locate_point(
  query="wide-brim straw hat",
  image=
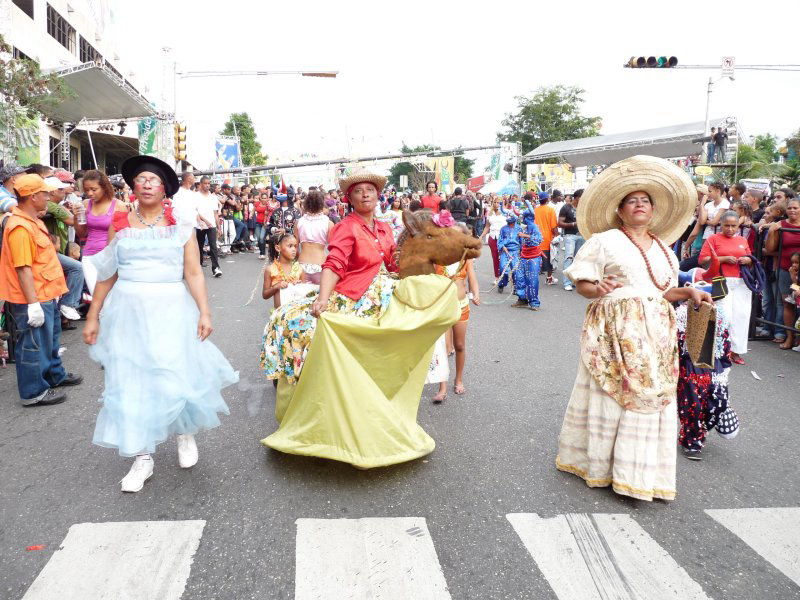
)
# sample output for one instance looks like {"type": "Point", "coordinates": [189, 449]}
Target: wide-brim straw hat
{"type": "Point", "coordinates": [362, 175]}
{"type": "Point", "coordinates": [670, 188]}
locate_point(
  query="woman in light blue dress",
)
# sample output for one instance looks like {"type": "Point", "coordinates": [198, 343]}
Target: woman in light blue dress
{"type": "Point", "coordinates": [148, 326]}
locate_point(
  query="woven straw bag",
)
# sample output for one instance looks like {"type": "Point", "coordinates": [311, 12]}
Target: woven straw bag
{"type": "Point", "coordinates": [701, 329]}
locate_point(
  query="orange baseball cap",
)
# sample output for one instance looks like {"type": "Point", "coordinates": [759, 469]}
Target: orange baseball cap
{"type": "Point", "coordinates": [28, 185]}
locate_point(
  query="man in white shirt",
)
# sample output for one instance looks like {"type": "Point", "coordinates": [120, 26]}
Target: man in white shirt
{"type": "Point", "coordinates": [185, 199]}
{"type": "Point", "coordinates": [713, 210]}
{"type": "Point", "coordinates": [207, 209]}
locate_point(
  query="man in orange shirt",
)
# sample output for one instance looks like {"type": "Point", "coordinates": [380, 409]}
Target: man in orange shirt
{"type": "Point", "coordinates": [547, 222]}
{"type": "Point", "coordinates": [31, 281]}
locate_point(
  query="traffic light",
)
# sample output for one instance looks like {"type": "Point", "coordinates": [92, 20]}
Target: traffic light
{"type": "Point", "coordinates": [180, 141]}
{"type": "Point", "coordinates": [652, 62]}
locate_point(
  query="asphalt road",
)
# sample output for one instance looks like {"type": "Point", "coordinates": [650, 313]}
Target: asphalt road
{"type": "Point", "coordinates": [495, 451]}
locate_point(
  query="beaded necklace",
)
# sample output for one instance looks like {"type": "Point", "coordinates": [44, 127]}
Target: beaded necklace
{"type": "Point", "coordinates": [663, 287]}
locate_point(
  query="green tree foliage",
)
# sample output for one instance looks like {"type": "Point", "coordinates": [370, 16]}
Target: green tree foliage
{"type": "Point", "coordinates": [25, 94]}
{"type": "Point", "coordinates": [767, 144]}
{"type": "Point", "coordinates": [552, 114]}
{"type": "Point", "coordinates": [751, 163]}
{"type": "Point", "coordinates": [790, 174]}
{"type": "Point", "coordinates": [248, 143]}
{"type": "Point", "coordinates": [23, 85]}
{"type": "Point", "coordinates": [416, 179]}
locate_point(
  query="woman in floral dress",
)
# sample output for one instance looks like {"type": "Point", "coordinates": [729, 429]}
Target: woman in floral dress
{"type": "Point", "coordinates": [621, 423]}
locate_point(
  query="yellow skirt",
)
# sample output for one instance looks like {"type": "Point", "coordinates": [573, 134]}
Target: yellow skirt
{"type": "Point", "coordinates": [358, 398]}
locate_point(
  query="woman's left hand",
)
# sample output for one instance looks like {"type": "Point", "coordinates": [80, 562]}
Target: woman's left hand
{"type": "Point", "coordinates": [476, 299]}
{"type": "Point", "coordinates": [204, 328]}
{"type": "Point", "coordinates": [745, 260]}
{"type": "Point", "coordinates": [698, 296]}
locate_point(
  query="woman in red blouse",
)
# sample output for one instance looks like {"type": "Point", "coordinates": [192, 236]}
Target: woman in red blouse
{"type": "Point", "coordinates": [732, 250]}
{"type": "Point", "coordinates": [355, 280]}
{"type": "Point", "coordinates": [358, 247]}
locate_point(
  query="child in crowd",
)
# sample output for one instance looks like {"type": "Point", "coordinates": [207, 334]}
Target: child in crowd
{"type": "Point", "coordinates": [284, 271]}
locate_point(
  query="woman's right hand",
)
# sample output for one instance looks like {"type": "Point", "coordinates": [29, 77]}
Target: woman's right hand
{"type": "Point", "coordinates": [319, 307]}
{"type": "Point", "coordinates": [606, 286]}
{"type": "Point", "coordinates": [90, 330]}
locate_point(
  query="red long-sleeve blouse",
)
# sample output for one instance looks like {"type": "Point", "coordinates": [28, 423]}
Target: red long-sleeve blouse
{"type": "Point", "coordinates": [355, 253]}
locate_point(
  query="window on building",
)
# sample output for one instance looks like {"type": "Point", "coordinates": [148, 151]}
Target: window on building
{"type": "Point", "coordinates": [25, 6]}
{"type": "Point", "coordinates": [87, 52]}
{"type": "Point", "coordinates": [55, 152]}
{"type": "Point", "coordinates": [20, 55]}
{"type": "Point", "coordinates": [59, 29]}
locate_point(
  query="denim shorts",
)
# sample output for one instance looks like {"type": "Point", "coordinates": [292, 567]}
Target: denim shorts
{"type": "Point", "coordinates": [784, 282]}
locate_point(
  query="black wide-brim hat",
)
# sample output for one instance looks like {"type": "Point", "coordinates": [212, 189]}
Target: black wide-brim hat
{"type": "Point", "coordinates": [137, 164]}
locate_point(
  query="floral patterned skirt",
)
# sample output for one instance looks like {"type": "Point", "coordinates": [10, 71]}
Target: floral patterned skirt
{"type": "Point", "coordinates": [290, 329]}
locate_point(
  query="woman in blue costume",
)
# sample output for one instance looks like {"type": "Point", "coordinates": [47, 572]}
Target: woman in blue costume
{"type": "Point", "coordinates": [508, 250]}
{"type": "Point", "coordinates": [149, 329]}
{"type": "Point", "coordinates": [526, 277]}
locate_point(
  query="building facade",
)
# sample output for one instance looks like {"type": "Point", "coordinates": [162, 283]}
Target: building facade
{"type": "Point", "coordinates": [58, 34]}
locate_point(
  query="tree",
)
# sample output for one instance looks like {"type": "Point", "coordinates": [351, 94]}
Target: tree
{"type": "Point", "coordinates": [767, 144]}
{"type": "Point", "coordinates": [552, 114]}
{"type": "Point", "coordinates": [249, 146]}
{"type": "Point", "coordinates": [790, 174]}
{"type": "Point", "coordinates": [25, 93]}
{"type": "Point", "coordinates": [751, 163]}
{"type": "Point", "coordinates": [417, 179]}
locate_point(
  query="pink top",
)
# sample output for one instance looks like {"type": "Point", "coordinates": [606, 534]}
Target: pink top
{"type": "Point", "coordinates": [97, 238]}
{"type": "Point", "coordinates": [313, 228]}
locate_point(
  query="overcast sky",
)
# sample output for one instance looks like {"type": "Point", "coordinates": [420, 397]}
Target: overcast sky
{"type": "Point", "coordinates": [447, 72]}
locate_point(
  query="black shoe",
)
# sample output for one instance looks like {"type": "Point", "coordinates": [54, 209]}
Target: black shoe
{"type": "Point", "coordinates": [51, 396]}
{"type": "Point", "coordinates": [67, 325]}
{"type": "Point", "coordinates": [71, 379]}
{"type": "Point", "coordinates": [520, 304]}
{"type": "Point", "coordinates": [692, 454]}
{"type": "Point", "coordinates": [500, 289]}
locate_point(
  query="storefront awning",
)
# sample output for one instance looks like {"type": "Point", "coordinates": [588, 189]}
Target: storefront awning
{"type": "Point", "coordinates": [99, 94]}
{"type": "Point", "coordinates": [665, 142]}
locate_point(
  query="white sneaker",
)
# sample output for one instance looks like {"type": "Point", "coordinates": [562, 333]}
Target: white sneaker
{"type": "Point", "coordinates": [261, 257]}
{"type": "Point", "coordinates": [567, 288]}
{"type": "Point", "coordinates": [141, 471]}
{"type": "Point", "coordinates": [70, 313]}
{"type": "Point", "coordinates": [187, 451]}
{"type": "Point", "coordinates": [217, 272]}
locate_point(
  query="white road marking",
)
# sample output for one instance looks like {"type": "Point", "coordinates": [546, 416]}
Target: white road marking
{"type": "Point", "coordinates": [360, 559]}
{"type": "Point", "coordinates": [602, 557]}
{"type": "Point", "coordinates": [772, 532]}
{"type": "Point", "coordinates": [120, 561]}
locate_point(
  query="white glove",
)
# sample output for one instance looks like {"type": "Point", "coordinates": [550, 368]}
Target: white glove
{"type": "Point", "coordinates": [35, 315]}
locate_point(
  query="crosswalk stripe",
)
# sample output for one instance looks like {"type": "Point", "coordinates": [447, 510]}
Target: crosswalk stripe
{"type": "Point", "coordinates": [120, 561]}
{"type": "Point", "coordinates": [774, 533]}
{"type": "Point", "coordinates": [602, 557]}
{"type": "Point", "coordinates": [371, 558]}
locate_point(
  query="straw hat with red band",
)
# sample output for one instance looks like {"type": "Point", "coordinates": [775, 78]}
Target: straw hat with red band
{"type": "Point", "coordinates": [362, 175]}
{"type": "Point", "coordinates": [670, 188]}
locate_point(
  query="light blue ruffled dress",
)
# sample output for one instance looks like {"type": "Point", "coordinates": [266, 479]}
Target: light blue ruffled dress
{"type": "Point", "coordinates": [160, 379]}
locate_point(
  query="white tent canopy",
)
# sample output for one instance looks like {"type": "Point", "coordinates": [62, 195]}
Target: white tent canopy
{"type": "Point", "coordinates": [99, 94]}
{"type": "Point", "coordinates": [664, 142]}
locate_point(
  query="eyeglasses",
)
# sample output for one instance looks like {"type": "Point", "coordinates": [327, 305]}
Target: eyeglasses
{"type": "Point", "coordinates": [153, 181]}
{"type": "Point", "coordinates": [637, 201]}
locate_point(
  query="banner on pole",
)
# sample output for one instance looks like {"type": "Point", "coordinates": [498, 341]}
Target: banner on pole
{"type": "Point", "coordinates": [226, 151]}
{"type": "Point", "coordinates": [148, 136]}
